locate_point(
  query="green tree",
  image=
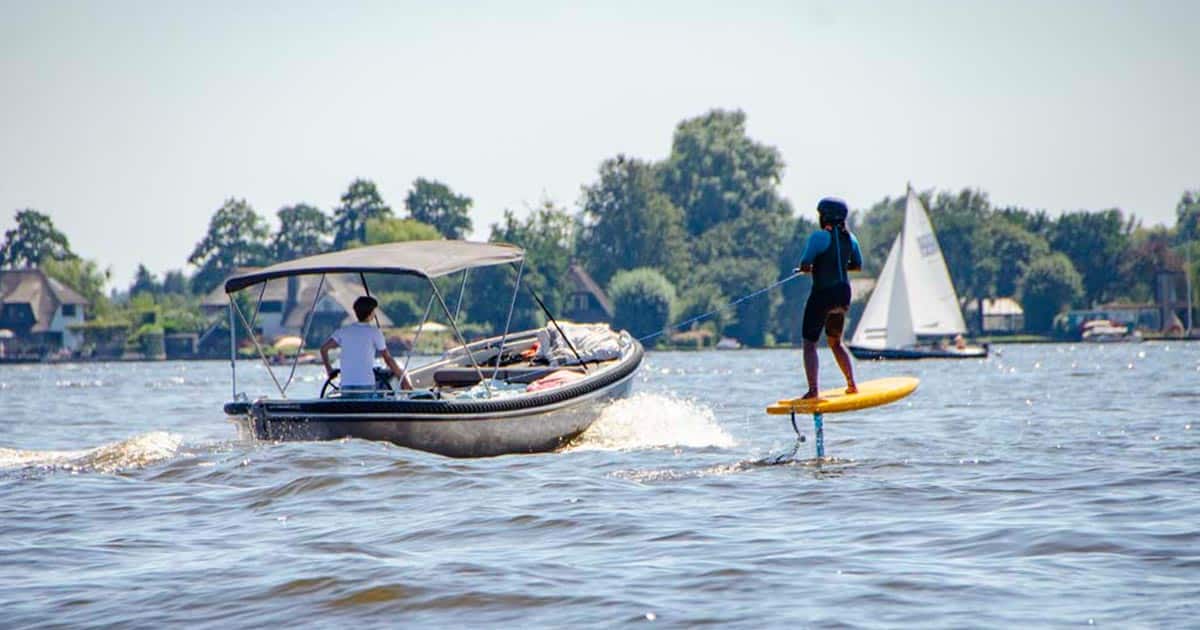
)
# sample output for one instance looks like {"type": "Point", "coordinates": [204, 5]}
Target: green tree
{"type": "Point", "coordinates": [876, 230]}
{"type": "Point", "coordinates": [1095, 242]}
{"type": "Point", "coordinates": [360, 203]}
{"type": "Point", "coordinates": [303, 231]}
{"type": "Point", "coordinates": [33, 241]}
{"type": "Point", "coordinates": [628, 222]}
{"type": "Point", "coordinates": [175, 283]}
{"type": "Point", "coordinates": [789, 318]}
{"type": "Point", "coordinates": [1009, 248]}
{"type": "Point", "coordinates": [737, 277]}
{"type": "Point", "coordinates": [547, 236]}
{"type": "Point", "coordinates": [392, 230]}
{"type": "Point", "coordinates": [86, 277]}
{"type": "Point", "coordinates": [642, 300]}
{"type": "Point", "coordinates": [1050, 285]}
{"type": "Point", "coordinates": [236, 237]}
{"type": "Point", "coordinates": [433, 202]}
{"type": "Point", "coordinates": [1187, 216]}
{"type": "Point", "coordinates": [958, 221]}
{"type": "Point", "coordinates": [715, 172]}
{"type": "Point", "coordinates": [144, 282]}
{"type": "Point", "coordinates": [701, 300]}
{"type": "Point", "coordinates": [1149, 253]}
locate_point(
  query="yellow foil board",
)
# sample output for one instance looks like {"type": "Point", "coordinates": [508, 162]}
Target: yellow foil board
{"type": "Point", "coordinates": [870, 394]}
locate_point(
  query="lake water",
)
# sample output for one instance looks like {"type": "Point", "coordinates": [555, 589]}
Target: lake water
{"type": "Point", "coordinates": [1050, 485]}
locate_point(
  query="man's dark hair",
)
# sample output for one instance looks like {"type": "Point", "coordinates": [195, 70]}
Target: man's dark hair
{"type": "Point", "coordinates": [364, 306]}
{"type": "Point", "coordinates": [832, 211]}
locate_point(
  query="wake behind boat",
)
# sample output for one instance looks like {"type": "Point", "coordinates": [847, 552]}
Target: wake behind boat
{"type": "Point", "coordinates": [914, 308]}
{"type": "Point", "coordinates": [524, 392]}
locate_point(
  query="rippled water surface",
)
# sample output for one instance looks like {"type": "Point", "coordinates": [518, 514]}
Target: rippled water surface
{"type": "Point", "coordinates": [1048, 485]}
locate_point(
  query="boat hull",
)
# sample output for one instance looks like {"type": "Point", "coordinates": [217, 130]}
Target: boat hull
{"type": "Point", "coordinates": [909, 354]}
{"type": "Point", "coordinates": [480, 428]}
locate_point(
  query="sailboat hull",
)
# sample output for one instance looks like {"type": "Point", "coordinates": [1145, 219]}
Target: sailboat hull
{"type": "Point", "coordinates": [908, 354]}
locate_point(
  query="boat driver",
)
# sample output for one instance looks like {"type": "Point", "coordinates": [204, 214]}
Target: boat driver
{"type": "Point", "coordinates": [829, 254]}
{"type": "Point", "coordinates": [360, 343]}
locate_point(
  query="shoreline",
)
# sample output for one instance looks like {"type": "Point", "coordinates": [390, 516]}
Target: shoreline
{"type": "Point", "coordinates": [995, 341]}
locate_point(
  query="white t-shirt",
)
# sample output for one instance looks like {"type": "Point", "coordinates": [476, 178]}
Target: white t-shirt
{"type": "Point", "coordinates": [360, 342]}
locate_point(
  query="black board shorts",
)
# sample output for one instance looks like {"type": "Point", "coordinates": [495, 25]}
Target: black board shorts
{"type": "Point", "coordinates": [826, 308]}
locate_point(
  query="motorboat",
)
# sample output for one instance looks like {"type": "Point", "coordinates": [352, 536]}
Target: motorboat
{"type": "Point", "coordinates": [1108, 331]}
{"type": "Point", "coordinates": [913, 312]}
{"type": "Point", "coordinates": [519, 392]}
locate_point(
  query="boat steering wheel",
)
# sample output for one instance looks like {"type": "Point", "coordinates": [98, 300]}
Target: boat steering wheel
{"type": "Point", "coordinates": [383, 381]}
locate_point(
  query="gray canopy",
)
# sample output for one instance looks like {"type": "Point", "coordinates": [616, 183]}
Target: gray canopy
{"type": "Point", "coordinates": [427, 259]}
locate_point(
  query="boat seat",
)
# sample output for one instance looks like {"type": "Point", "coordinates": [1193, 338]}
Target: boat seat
{"type": "Point", "coordinates": [467, 376]}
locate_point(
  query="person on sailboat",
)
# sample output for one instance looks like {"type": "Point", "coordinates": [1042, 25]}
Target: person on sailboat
{"type": "Point", "coordinates": [829, 254]}
{"type": "Point", "coordinates": [360, 342]}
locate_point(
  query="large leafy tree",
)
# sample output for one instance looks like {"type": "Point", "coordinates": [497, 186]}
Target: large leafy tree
{"type": "Point", "coordinates": [1095, 242]}
{"type": "Point", "coordinates": [958, 220]}
{"type": "Point", "coordinates": [393, 230]}
{"type": "Point", "coordinates": [1149, 253]}
{"type": "Point", "coordinates": [1187, 216]}
{"type": "Point", "coordinates": [789, 317]}
{"type": "Point", "coordinates": [432, 202]}
{"type": "Point", "coordinates": [144, 282]}
{"type": "Point", "coordinates": [236, 237]}
{"type": "Point", "coordinates": [303, 231]}
{"type": "Point", "coordinates": [876, 230]}
{"type": "Point", "coordinates": [1050, 285]}
{"type": "Point", "coordinates": [33, 241]}
{"type": "Point", "coordinates": [360, 203]}
{"type": "Point", "coordinates": [86, 277]}
{"type": "Point", "coordinates": [1008, 249]}
{"type": "Point", "coordinates": [547, 235]}
{"type": "Point", "coordinates": [715, 172]}
{"type": "Point", "coordinates": [628, 222]}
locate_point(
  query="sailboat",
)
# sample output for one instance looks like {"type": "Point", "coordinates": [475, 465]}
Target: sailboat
{"type": "Point", "coordinates": [914, 308]}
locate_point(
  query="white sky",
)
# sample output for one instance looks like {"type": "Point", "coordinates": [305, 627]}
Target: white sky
{"type": "Point", "coordinates": [129, 123]}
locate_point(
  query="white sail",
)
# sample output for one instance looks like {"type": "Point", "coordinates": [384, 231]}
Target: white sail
{"type": "Point", "coordinates": [931, 295]}
{"type": "Point", "coordinates": [887, 320]}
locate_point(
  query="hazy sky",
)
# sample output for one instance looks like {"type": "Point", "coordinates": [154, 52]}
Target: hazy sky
{"type": "Point", "coordinates": [129, 123]}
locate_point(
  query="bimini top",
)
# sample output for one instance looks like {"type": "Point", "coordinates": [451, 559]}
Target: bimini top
{"type": "Point", "coordinates": [427, 259]}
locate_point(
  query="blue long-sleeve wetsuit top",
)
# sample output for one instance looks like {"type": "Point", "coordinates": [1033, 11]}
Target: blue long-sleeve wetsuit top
{"type": "Point", "coordinates": [820, 252]}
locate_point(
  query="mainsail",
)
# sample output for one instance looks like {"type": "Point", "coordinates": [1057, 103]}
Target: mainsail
{"type": "Point", "coordinates": [935, 304]}
{"type": "Point", "coordinates": [913, 295]}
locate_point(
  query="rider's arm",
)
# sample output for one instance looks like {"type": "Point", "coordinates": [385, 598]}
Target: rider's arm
{"type": "Point", "coordinates": [329, 344]}
{"type": "Point", "coordinates": [400, 374]}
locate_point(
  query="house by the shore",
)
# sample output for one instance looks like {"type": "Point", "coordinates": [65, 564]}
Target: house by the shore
{"type": "Point", "coordinates": [38, 312]}
{"type": "Point", "coordinates": [286, 303]}
{"type": "Point", "coordinates": [586, 301]}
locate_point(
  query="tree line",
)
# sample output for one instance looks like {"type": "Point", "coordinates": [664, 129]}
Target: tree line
{"type": "Point", "coordinates": [669, 240]}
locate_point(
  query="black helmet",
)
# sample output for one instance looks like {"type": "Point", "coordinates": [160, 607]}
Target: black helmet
{"type": "Point", "coordinates": [833, 211]}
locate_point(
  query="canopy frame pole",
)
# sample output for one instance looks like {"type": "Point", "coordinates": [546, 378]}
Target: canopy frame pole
{"type": "Point", "coordinates": [363, 277]}
{"type": "Point", "coordinates": [304, 332]}
{"type": "Point", "coordinates": [508, 321]}
{"type": "Point", "coordinates": [232, 347]}
{"type": "Point", "coordinates": [417, 336]}
{"type": "Point", "coordinates": [556, 326]}
{"type": "Point", "coordinates": [458, 333]}
{"type": "Point", "coordinates": [462, 291]}
{"type": "Point", "coordinates": [258, 346]}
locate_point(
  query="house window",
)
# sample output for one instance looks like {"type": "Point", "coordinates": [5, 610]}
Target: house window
{"type": "Point", "coordinates": [68, 310]}
{"type": "Point", "coordinates": [581, 302]}
{"type": "Point", "coordinates": [17, 314]}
